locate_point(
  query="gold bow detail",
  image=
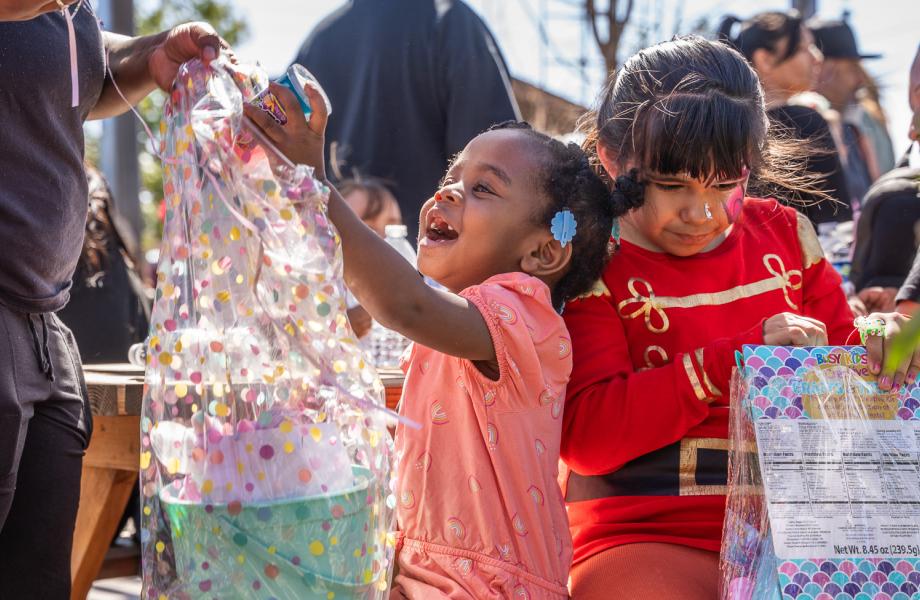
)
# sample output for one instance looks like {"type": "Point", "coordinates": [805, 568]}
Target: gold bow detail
{"type": "Point", "coordinates": [644, 302]}
{"type": "Point", "coordinates": [648, 305]}
{"type": "Point", "coordinates": [790, 280]}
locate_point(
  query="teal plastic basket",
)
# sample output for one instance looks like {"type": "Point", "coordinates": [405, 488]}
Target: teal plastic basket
{"type": "Point", "coordinates": [314, 547]}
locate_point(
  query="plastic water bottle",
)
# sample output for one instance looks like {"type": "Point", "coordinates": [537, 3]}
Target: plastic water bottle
{"type": "Point", "coordinates": [387, 346]}
{"type": "Point", "coordinates": [396, 237]}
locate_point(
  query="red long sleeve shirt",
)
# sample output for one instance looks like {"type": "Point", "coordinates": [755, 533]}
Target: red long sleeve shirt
{"type": "Point", "coordinates": [646, 418]}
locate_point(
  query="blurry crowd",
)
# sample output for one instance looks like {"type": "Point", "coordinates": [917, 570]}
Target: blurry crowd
{"type": "Point", "coordinates": [391, 86]}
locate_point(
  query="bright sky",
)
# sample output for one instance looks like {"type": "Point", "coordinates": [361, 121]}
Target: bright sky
{"type": "Point", "coordinates": [891, 27]}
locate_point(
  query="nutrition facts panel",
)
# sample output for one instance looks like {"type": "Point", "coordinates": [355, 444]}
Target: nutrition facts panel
{"type": "Point", "coordinates": [841, 488]}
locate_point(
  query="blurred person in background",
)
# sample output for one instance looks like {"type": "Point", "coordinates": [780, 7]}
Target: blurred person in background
{"type": "Point", "coordinates": [410, 82]}
{"type": "Point", "coordinates": [840, 78]}
{"type": "Point", "coordinates": [782, 51]}
{"type": "Point", "coordinates": [370, 199]}
{"type": "Point", "coordinates": [874, 122]}
{"type": "Point", "coordinates": [109, 309]}
{"type": "Point", "coordinates": [889, 230]}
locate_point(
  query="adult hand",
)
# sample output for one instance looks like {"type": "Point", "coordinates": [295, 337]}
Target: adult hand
{"type": "Point", "coordinates": [878, 299]}
{"type": "Point", "coordinates": [180, 44]}
{"type": "Point", "coordinates": [790, 329]}
{"type": "Point", "coordinates": [360, 320]}
{"type": "Point", "coordinates": [878, 346]}
{"type": "Point", "coordinates": [857, 306]}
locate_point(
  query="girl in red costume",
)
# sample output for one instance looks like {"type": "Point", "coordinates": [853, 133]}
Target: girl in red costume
{"type": "Point", "coordinates": [701, 270]}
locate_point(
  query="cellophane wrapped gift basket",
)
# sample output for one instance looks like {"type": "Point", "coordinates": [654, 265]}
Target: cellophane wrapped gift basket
{"type": "Point", "coordinates": [265, 457]}
{"type": "Point", "coordinates": [824, 480]}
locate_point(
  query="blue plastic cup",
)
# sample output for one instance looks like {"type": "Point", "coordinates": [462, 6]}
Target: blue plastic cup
{"type": "Point", "coordinates": [295, 79]}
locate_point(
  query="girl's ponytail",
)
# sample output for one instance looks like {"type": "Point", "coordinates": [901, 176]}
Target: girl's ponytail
{"type": "Point", "coordinates": [724, 33]}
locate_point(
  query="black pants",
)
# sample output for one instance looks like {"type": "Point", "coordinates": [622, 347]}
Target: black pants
{"type": "Point", "coordinates": [45, 426]}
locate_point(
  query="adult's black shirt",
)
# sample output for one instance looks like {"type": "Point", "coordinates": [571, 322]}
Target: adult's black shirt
{"type": "Point", "coordinates": [42, 182]}
{"type": "Point", "coordinates": [805, 123]}
{"type": "Point", "coordinates": [410, 82]}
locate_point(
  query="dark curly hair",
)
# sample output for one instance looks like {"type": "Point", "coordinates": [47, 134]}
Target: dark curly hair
{"type": "Point", "coordinates": [569, 182]}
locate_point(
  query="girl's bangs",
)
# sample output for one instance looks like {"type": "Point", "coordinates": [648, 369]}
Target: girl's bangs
{"type": "Point", "coordinates": [708, 137]}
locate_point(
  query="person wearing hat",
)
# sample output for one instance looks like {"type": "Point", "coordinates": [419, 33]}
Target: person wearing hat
{"type": "Point", "coordinates": [849, 89]}
{"type": "Point", "coordinates": [781, 49]}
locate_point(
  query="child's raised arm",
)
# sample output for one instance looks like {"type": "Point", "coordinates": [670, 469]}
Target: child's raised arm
{"type": "Point", "coordinates": [389, 288]}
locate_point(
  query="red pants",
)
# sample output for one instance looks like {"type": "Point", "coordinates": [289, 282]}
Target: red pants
{"type": "Point", "coordinates": [647, 571]}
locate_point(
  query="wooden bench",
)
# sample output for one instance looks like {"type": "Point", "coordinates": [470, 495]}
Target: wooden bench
{"type": "Point", "coordinates": [110, 471]}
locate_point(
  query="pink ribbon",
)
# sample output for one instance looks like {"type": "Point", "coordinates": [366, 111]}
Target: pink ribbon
{"type": "Point", "coordinates": [72, 42]}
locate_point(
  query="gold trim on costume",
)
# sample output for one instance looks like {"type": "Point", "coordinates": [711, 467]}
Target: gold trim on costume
{"type": "Point", "coordinates": [657, 350]}
{"type": "Point", "coordinates": [694, 380]}
{"type": "Point", "coordinates": [652, 307]}
{"type": "Point", "coordinates": [598, 290]}
{"type": "Point", "coordinates": [698, 353]}
{"type": "Point", "coordinates": [812, 253]}
{"type": "Point", "coordinates": [689, 457]}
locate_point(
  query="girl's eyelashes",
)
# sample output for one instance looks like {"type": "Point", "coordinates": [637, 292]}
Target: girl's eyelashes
{"type": "Point", "coordinates": [670, 187]}
{"type": "Point", "coordinates": [481, 187]}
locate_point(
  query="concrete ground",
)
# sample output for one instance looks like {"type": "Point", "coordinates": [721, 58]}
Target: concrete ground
{"type": "Point", "coordinates": [121, 588]}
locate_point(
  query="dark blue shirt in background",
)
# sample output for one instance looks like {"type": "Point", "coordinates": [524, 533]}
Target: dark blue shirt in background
{"type": "Point", "coordinates": [410, 82]}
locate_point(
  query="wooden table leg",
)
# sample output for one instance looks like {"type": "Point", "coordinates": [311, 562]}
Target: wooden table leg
{"type": "Point", "coordinates": [110, 470]}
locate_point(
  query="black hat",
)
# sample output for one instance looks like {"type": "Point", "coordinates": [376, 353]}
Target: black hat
{"type": "Point", "coordinates": [835, 39]}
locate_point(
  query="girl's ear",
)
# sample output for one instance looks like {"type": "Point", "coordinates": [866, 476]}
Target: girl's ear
{"type": "Point", "coordinates": [762, 61]}
{"type": "Point", "coordinates": [548, 260]}
{"type": "Point", "coordinates": [608, 159]}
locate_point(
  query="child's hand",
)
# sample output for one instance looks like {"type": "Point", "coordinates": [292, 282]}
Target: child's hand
{"type": "Point", "coordinates": [877, 348]}
{"type": "Point", "coordinates": [790, 329]}
{"type": "Point", "coordinates": [299, 140]}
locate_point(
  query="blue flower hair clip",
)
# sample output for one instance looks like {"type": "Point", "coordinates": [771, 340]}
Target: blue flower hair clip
{"type": "Point", "coordinates": [563, 226]}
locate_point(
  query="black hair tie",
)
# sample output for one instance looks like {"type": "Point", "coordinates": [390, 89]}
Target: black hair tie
{"type": "Point", "coordinates": [628, 192]}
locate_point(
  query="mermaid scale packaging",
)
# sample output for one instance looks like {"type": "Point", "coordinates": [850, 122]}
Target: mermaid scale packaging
{"type": "Point", "coordinates": [265, 458]}
{"type": "Point", "coordinates": [824, 480]}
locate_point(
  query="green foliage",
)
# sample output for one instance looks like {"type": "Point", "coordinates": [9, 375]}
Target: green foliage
{"type": "Point", "coordinates": [904, 344]}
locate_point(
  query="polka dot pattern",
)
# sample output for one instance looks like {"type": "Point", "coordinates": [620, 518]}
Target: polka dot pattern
{"type": "Point", "coordinates": [265, 462]}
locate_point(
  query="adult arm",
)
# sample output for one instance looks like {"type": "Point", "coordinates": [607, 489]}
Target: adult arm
{"type": "Point", "coordinates": [141, 64]}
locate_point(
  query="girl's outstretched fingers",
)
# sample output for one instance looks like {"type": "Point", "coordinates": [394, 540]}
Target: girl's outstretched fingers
{"type": "Point", "coordinates": [320, 107]}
